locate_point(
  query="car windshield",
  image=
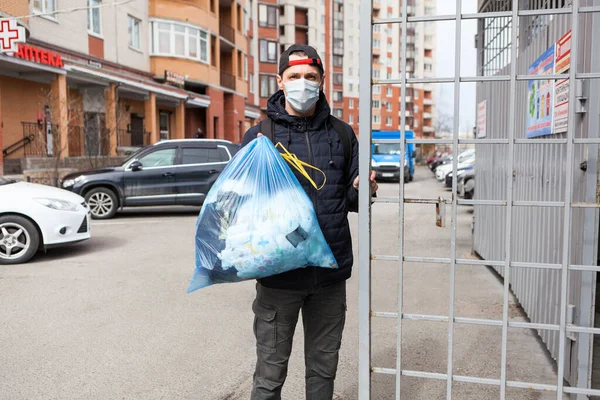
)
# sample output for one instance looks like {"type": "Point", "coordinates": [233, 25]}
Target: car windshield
{"type": "Point", "coordinates": [6, 181]}
{"type": "Point", "coordinates": [133, 156]}
{"type": "Point", "coordinates": [387, 148]}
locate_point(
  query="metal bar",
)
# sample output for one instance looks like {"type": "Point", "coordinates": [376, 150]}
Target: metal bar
{"type": "Point", "coordinates": [416, 141]}
{"type": "Point", "coordinates": [483, 263]}
{"type": "Point", "coordinates": [540, 141]}
{"type": "Point", "coordinates": [478, 321]}
{"type": "Point", "coordinates": [583, 329]}
{"type": "Point", "coordinates": [384, 371]}
{"type": "Point", "coordinates": [585, 205]}
{"type": "Point", "coordinates": [538, 77]}
{"type": "Point", "coordinates": [393, 200]}
{"type": "Point", "coordinates": [541, 11]}
{"type": "Point", "coordinates": [567, 210]}
{"type": "Point", "coordinates": [454, 218]}
{"type": "Point", "coordinates": [509, 189]}
{"type": "Point", "coordinates": [424, 317]}
{"type": "Point", "coordinates": [532, 386]}
{"type": "Point", "coordinates": [587, 141]}
{"type": "Point", "coordinates": [472, 379]}
{"type": "Point", "coordinates": [524, 203]}
{"type": "Point", "coordinates": [428, 260]}
{"type": "Point", "coordinates": [401, 205]}
{"type": "Point", "coordinates": [516, 264]}
{"type": "Point", "coordinates": [463, 202]}
{"type": "Point", "coordinates": [384, 314]}
{"type": "Point", "coordinates": [426, 375]}
{"type": "Point", "coordinates": [490, 78]}
{"type": "Point", "coordinates": [364, 203]}
{"type": "Point", "coordinates": [384, 258]}
{"type": "Point", "coordinates": [483, 141]}
{"type": "Point", "coordinates": [588, 75]}
{"type": "Point", "coordinates": [590, 9]}
{"type": "Point", "coordinates": [576, 390]}
{"type": "Point", "coordinates": [591, 268]}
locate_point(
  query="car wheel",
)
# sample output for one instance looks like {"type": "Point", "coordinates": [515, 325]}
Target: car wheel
{"type": "Point", "coordinates": [411, 178]}
{"type": "Point", "coordinates": [19, 240]}
{"type": "Point", "coordinates": [468, 195]}
{"type": "Point", "coordinates": [103, 203]}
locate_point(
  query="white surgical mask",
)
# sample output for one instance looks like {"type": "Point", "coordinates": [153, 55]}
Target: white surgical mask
{"type": "Point", "coordinates": [302, 94]}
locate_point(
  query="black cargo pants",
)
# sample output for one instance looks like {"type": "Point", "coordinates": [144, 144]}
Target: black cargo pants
{"type": "Point", "coordinates": [276, 314]}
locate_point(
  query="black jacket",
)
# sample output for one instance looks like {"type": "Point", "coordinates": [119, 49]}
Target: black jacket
{"type": "Point", "coordinates": [314, 141]}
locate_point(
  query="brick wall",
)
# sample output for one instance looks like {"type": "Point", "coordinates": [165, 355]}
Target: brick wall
{"type": "Point", "coordinates": [234, 117]}
{"type": "Point", "coordinates": [215, 111]}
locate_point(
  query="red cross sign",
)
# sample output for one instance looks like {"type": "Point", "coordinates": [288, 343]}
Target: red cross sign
{"type": "Point", "coordinates": [10, 35]}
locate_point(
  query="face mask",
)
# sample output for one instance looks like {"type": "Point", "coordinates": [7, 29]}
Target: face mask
{"type": "Point", "coordinates": [302, 94]}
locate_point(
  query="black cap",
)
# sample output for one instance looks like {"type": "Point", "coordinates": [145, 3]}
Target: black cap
{"type": "Point", "coordinates": [313, 58]}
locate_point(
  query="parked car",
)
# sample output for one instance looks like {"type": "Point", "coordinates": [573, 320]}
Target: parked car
{"type": "Point", "coordinates": [460, 173]}
{"type": "Point", "coordinates": [466, 184]}
{"type": "Point", "coordinates": [168, 173]}
{"type": "Point", "coordinates": [463, 162]}
{"type": "Point", "coordinates": [37, 217]}
{"type": "Point", "coordinates": [440, 161]}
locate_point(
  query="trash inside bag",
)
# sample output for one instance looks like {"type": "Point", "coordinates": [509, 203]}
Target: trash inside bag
{"type": "Point", "coordinates": [257, 221]}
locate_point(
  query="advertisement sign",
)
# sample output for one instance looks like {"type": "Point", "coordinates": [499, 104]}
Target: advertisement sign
{"type": "Point", "coordinates": [540, 96]}
{"type": "Point", "coordinates": [482, 119]}
{"type": "Point", "coordinates": [39, 56]}
{"type": "Point", "coordinates": [561, 89]}
{"type": "Point", "coordinates": [10, 35]}
{"type": "Point", "coordinates": [174, 78]}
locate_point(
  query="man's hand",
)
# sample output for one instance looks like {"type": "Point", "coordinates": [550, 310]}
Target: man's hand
{"type": "Point", "coordinates": [259, 135]}
{"type": "Point", "coordinates": [374, 185]}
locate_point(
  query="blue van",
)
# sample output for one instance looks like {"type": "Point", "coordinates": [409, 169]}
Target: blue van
{"type": "Point", "coordinates": [385, 157]}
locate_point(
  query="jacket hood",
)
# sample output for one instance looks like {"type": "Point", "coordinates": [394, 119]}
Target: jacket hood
{"type": "Point", "coordinates": [277, 112]}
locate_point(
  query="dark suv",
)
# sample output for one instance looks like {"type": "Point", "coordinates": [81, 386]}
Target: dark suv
{"type": "Point", "coordinates": [172, 172]}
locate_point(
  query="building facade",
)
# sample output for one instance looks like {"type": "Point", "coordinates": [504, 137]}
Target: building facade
{"type": "Point", "coordinates": [104, 80]}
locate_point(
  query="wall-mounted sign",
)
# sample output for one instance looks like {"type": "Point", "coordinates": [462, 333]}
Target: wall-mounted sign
{"type": "Point", "coordinates": [541, 96]}
{"type": "Point", "coordinates": [174, 78]}
{"type": "Point", "coordinates": [10, 35]}
{"type": "Point", "coordinates": [39, 56]}
{"type": "Point", "coordinates": [95, 64]}
{"type": "Point", "coordinates": [561, 88]}
{"type": "Point", "coordinates": [482, 119]}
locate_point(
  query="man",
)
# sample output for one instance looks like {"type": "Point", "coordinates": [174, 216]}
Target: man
{"type": "Point", "coordinates": [300, 120]}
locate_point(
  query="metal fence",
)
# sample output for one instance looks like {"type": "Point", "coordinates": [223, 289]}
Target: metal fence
{"type": "Point", "coordinates": [536, 216]}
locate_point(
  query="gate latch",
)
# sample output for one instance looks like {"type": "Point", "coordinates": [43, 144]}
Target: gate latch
{"type": "Point", "coordinates": [440, 213]}
{"type": "Point", "coordinates": [571, 321]}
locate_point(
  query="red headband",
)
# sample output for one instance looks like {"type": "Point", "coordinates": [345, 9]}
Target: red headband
{"type": "Point", "coordinates": [305, 61]}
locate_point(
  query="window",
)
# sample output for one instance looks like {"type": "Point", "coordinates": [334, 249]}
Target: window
{"type": "Point", "coordinates": [322, 38]}
{"type": "Point", "coordinates": [268, 85]}
{"type": "Point", "coordinates": [416, 123]}
{"type": "Point", "coordinates": [350, 119]}
{"type": "Point", "coordinates": [199, 155]}
{"type": "Point", "coordinates": [376, 43]}
{"type": "Point", "coordinates": [338, 113]}
{"type": "Point", "coordinates": [388, 121]}
{"type": "Point", "coordinates": [268, 51]}
{"type": "Point", "coordinates": [44, 7]}
{"type": "Point", "coordinates": [163, 123]}
{"type": "Point", "coordinates": [376, 73]}
{"type": "Point", "coordinates": [428, 67]}
{"type": "Point", "coordinates": [134, 32]}
{"type": "Point", "coordinates": [338, 61]}
{"type": "Point", "coordinates": [338, 96]}
{"type": "Point", "coordinates": [267, 16]}
{"type": "Point", "coordinates": [159, 158]}
{"type": "Point", "coordinates": [416, 94]}
{"type": "Point", "coordinates": [376, 119]}
{"type": "Point", "coordinates": [338, 78]}
{"type": "Point", "coordinates": [429, 38]}
{"type": "Point", "coordinates": [177, 40]}
{"type": "Point", "coordinates": [351, 104]}
{"type": "Point", "coordinates": [377, 89]}
{"type": "Point", "coordinates": [350, 87]}
{"type": "Point", "coordinates": [251, 84]}
{"type": "Point", "coordinates": [389, 75]}
{"type": "Point", "coordinates": [416, 109]}
{"type": "Point", "coordinates": [94, 24]}
{"type": "Point", "coordinates": [246, 67]}
{"type": "Point", "coordinates": [375, 104]}
{"type": "Point", "coordinates": [388, 92]}
{"type": "Point", "coordinates": [429, 10]}
{"type": "Point", "coordinates": [350, 70]}
{"type": "Point", "coordinates": [322, 19]}
{"type": "Point", "coordinates": [388, 106]}
{"type": "Point", "coordinates": [389, 46]}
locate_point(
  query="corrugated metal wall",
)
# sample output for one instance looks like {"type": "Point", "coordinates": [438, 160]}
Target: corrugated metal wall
{"type": "Point", "coordinates": [539, 175]}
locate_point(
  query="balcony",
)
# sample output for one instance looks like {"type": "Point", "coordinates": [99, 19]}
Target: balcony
{"type": "Point", "coordinates": [376, 5]}
{"type": "Point", "coordinates": [228, 80]}
{"type": "Point", "coordinates": [426, 115]}
{"type": "Point", "coordinates": [408, 99]}
{"type": "Point", "coordinates": [227, 31]}
{"type": "Point", "coordinates": [427, 128]}
{"type": "Point", "coordinates": [428, 102]}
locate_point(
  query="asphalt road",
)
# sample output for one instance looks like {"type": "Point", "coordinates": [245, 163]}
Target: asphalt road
{"type": "Point", "coordinates": [110, 318]}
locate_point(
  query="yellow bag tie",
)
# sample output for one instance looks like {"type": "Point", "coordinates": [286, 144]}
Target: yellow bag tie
{"type": "Point", "coordinates": [299, 165]}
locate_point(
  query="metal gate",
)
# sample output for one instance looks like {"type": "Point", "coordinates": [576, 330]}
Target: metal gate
{"type": "Point", "coordinates": [552, 271]}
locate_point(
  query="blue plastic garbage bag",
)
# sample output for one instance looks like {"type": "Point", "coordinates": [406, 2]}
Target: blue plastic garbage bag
{"type": "Point", "coordinates": [257, 221]}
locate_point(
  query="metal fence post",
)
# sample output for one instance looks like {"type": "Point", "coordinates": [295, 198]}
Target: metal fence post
{"type": "Point", "coordinates": [364, 205]}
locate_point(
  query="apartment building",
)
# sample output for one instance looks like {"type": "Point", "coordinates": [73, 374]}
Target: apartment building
{"type": "Point", "coordinates": [386, 64]}
{"type": "Point", "coordinates": [111, 77]}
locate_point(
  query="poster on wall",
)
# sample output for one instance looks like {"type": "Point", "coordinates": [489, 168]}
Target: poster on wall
{"type": "Point", "coordinates": [541, 96]}
{"type": "Point", "coordinates": [482, 119]}
{"type": "Point", "coordinates": [561, 89]}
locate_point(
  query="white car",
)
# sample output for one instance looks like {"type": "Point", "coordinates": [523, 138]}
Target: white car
{"type": "Point", "coordinates": [443, 170]}
{"type": "Point", "coordinates": [37, 217]}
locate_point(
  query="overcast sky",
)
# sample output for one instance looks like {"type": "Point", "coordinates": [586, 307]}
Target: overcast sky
{"type": "Point", "coordinates": [444, 55]}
